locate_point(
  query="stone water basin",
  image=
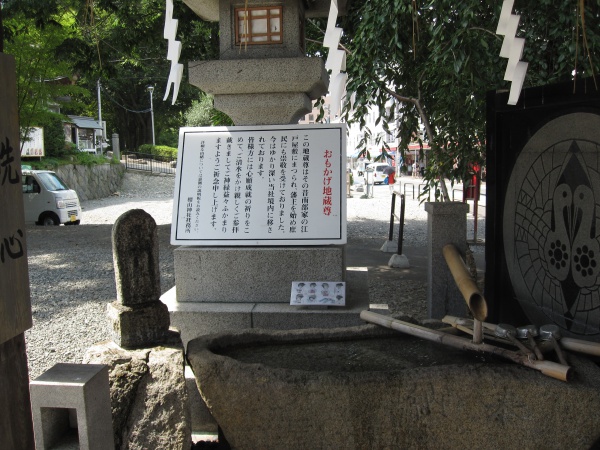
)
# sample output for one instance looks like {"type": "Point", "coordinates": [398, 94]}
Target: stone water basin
{"type": "Point", "coordinates": [371, 388]}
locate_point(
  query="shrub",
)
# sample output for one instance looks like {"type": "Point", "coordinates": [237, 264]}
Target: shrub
{"type": "Point", "coordinates": [158, 150]}
{"type": "Point", "coordinates": [166, 151]}
{"type": "Point", "coordinates": [87, 159]}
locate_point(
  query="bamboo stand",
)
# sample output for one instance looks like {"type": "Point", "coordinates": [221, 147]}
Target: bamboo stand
{"type": "Point", "coordinates": [552, 369]}
{"type": "Point", "coordinates": [570, 344]}
{"type": "Point", "coordinates": [478, 328]}
{"type": "Point", "coordinates": [475, 301]}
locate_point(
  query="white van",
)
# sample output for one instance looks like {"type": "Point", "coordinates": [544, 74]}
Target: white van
{"type": "Point", "coordinates": [48, 200]}
{"type": "Point", "coordinates": [377, 170]}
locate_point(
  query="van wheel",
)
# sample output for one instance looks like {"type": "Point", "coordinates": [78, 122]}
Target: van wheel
{"type": "Point", "coordinates": [49, 220]}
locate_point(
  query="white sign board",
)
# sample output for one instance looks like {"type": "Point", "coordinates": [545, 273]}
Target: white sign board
{"type": "Point", "coordinates": [326, 293]}
{"type": "Point", "coordinates": [34, 145]}
{"type": "Point", "coordinates": [262, 185]}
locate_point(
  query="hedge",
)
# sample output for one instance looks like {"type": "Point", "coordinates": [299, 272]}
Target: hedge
{"type": "Point", "coordinates": [159, 150]}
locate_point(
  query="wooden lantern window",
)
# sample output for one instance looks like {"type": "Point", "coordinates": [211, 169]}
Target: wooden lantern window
{"type": "Point", "coordinates": [258, 25]}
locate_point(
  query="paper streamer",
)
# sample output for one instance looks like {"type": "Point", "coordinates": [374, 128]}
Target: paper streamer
{"type": "Point", "coordinates": [512, 48]}
{"type": "Point", "coordinates": [511, 30]}
{"type": "Point", "coordinates": [505, 14]}
{"type": "Point", "coordinates": [517, 82]}
{"type": "Point", "coordinates": [516, 52]}
{"type": "Point", "coordinates": [332, 37]}
{"type": "Point", "coordinates": [336, 60]}
{"type": "Point", "coordinates": [332, 33]}
{"type": "Point", "coordinates": [173, 53]}
{"type": "Point", "coordinates": [337, 91]}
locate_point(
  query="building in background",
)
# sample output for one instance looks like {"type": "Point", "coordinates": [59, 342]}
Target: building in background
{"type": "Point", "coordinates": [356, 135]}
{"type": "Point", "coordinates": [85, 133]}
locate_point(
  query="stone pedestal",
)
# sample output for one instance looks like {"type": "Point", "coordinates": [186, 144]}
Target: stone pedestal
{"type": "Point", "coordinates": [194, 319]}
{"type": "Point", "coordinates": [446, 224]}
{"type": "Point", "coordinates": [252, 274]}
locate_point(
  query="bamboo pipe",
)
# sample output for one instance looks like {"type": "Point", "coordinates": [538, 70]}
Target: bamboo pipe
{"type": "Point", "coordinates": [467, 325]}
{"type": "Point", "coordinates": [581, 346]}
{"type": "Point", "coordinates": [551, 333]}
{"type": "Point", "coordinates": [552, 369]}
{"type": "Point", "coordinates": [465, 283]}
{"type": "Point", "coordinates": [529, 332]}
{"type": "Point", "coordinates": [571, 344]}
{"type": "Point", "coordinates": [477, 331]}
{"type": "Point", "coordinates": [454, 321]}
{"type": "Point", "coordinates": [508, 332]}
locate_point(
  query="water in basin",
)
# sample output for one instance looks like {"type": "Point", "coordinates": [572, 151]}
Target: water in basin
{"type": "Point", "coordinates": [360, 355]}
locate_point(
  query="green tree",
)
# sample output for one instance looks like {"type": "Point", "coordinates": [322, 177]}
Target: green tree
{"type": "Point", "coordinates": [120, 43]}
{"type": "Point", "coordinates": [202, 113]}
{"type": "Point", "coordinates": [438, 61]}
{"type": "Point", "coordinates": [43, 77]}
{"type": "Point", "coordinates": [54, 135]}
{"type": "Point", "coordinates": [199, 113]}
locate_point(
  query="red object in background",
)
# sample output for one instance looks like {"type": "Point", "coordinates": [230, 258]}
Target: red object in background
{"type": "Point", "coordinates": [391, 178]}
{"type": "Point", "coordinates": [471, 187]}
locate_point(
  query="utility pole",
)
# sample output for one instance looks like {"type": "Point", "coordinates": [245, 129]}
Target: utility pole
{"type": "Point", "coordinates": [100, 116]}
{"type": "Point", "coordinates": [151, 90]}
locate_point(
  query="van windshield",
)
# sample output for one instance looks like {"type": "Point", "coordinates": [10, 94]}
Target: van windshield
{"type": "Point", "coordinates": [51, 182]}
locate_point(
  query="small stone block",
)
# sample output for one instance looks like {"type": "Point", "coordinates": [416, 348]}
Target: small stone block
{"type": "Point", "coordinates": [83, 388]}
{"type": "Point", "coordinates": [142, 326]}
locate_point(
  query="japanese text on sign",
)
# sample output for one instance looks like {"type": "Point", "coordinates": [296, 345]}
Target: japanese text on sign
{"type": "Point", "coordinates": [278, 185]}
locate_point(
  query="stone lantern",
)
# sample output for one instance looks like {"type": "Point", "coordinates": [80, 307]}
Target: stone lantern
{"type": "Point", "coordinates": [264, 79]}
{"type": "Point", "coordinates": [263, 76]}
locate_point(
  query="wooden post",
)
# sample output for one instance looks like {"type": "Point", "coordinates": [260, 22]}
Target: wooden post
{"type": "Point", "coordinates": [16, 428]}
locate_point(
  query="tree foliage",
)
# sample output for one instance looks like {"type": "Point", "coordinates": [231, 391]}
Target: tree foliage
{"type": "Point", "coordinates": [54, 136]}
{"type": "Point", "coordinates": [200, 113]}
{"type": "Point", "coordinates": [120, 43]}
{"type": "Point", "coordinates": [437, 61]}
{"type": "Point", "coordinates": [43, 77]}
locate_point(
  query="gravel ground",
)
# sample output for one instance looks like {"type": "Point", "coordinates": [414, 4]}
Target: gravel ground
{"type": "Point", "coordinates": [71, 269]}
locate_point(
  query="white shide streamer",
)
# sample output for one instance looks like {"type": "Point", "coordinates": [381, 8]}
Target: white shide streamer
{"type": "Point", "coordinates": [336, 60]}
{"type": "Point", "coordinates": [512, 48]}
{"type": "Point", "coordinates": [173, 53]}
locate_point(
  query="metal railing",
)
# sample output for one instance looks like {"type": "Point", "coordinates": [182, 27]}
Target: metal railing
{"type": "Point", "coordinates": [412, 185]}
{"type": "Point", "coordinates": [149, 163]}
{"type": "Point", "coordinates": [400, 220]}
